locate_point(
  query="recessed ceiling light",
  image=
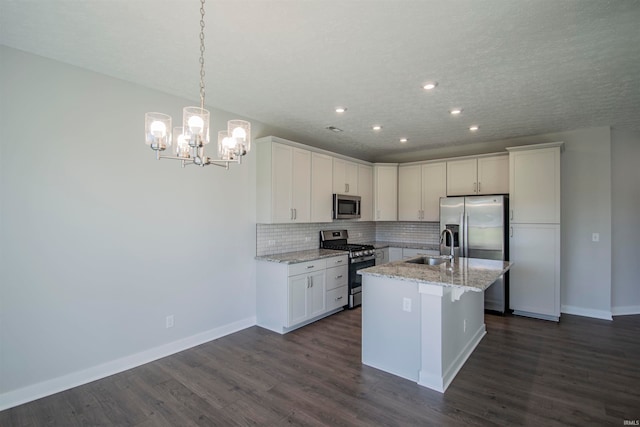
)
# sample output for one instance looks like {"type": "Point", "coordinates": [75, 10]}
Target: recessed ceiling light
{"type": "Point", "coordinates": [333, 129]}
{"type": "Point", "coordinates": [474, 128]}
{"type": "Point", "coordinates": [455, 111]}
{"type": "Point", "coordinates": [403, 140]}
{"type": "Point", "coordinates": [341, 109]}
{"type": "Point", "coordinates": [377, 127]}
{"type": "Point", "coordinates": [430, 85]}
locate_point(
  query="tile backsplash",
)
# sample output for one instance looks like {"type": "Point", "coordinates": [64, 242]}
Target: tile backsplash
{"type": "Point", "coordinates": [281, 238]}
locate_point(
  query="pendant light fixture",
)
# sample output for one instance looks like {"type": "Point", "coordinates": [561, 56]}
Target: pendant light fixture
{"type": "Point", "coordinates": [190, 139]}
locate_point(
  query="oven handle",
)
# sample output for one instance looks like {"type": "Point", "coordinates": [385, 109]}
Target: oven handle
{"type": "Point", "coordinates": [362, 259]}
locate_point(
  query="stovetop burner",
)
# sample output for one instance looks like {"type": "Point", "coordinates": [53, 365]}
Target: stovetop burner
{"type": "Point", "coordinates": [337, 240]}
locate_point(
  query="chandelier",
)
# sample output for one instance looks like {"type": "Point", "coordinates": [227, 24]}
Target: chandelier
{"type": "Point", "coordinates": [190, 139]}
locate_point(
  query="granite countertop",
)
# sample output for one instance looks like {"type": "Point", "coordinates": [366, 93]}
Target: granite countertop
{"type": "Point", "coordinates": [472, 274]}
{"type": "Point", "coordinates": [301, 256]}
{"type": "Point", "coordinates": [382, 244]}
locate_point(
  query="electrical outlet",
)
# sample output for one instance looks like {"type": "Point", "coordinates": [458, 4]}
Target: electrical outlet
{"type": "Point", "coordinates": [595, 237]}
{"type": "Point", "coordinates": [406, 304]}
{"type": "Point", "coordinates": [169, 321]}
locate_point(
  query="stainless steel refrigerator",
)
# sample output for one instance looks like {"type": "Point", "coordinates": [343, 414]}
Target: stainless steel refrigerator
{"type": "Point", "coordinates": [479, 227]}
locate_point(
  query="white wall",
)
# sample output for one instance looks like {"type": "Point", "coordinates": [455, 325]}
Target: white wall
{"type": "Point", "coordinates": [625, 156]}
{"type": "Point", "coordinates": [99, 241]}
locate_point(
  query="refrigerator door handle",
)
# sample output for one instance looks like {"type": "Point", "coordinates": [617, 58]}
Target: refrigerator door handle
{"type": "Point", "coordinates": [466, 236]}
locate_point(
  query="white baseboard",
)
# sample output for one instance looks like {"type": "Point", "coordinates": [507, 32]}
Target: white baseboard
{"type": "Point", "coordinates": [587, 312]}
{"type": "Point", "coordinates": [626, 310]}
{"type": "Point", "coordinates": [65, 382]}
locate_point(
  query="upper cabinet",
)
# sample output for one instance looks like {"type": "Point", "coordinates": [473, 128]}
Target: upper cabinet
{"type": "Point", "coordinates": [345, 177]}
{"type": "Point", "coordinates": [283, 183]}
{"type": "Point", "coordinates": [365, 190]}
{"type": "Point", "coordinates": [419, 190]}
{"type": "Point", "coordinates": [534, 182]}
{"type": "Point", "coordinates": [478, 175]}
{"type": "Point", "coordinates": [321, 188]}
{"type": "Point", "coordinates": [385, 192]}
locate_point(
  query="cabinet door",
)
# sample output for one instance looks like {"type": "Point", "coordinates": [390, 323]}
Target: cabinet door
{"type": "Point", "coordinates": [493, 175]}
{"type": "Point", "coordinates": [385, 192]}
{"type": "Point", "coordinates": [316, 301]}
{"type": "Point", "coordinates": [534, 185]}
{"type": "Point", "coordinates": [434, 186]}
{"type": "Point", "coordinates": [282, 183]}
{"type": "Point", "coordinates": [321, 187]}
{"type": "Point", "coordinates": [351, 178]}
{"type": "Point", "coordinates": [409, 193]}
{"type": "Point", "coordinates": [298, 306]}
{"type": "Point", "coordinates": [461, 177]}
{"type": "Point", "coordinates": [301, 185]}
{"type": "Point", "coordinates": [365, 189]}
{"type": "Point", "coordinates": [534, 278]}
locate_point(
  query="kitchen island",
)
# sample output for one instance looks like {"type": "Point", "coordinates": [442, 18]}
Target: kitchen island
{"type": "Point", "coordinates": [422, 322]}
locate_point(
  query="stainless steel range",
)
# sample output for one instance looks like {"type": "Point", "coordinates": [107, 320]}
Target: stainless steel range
{"type": "Point", "coordinates": [360, 256]}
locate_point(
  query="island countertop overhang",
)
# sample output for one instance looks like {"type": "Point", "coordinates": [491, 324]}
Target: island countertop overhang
{"type": "Point", "coordinates": [470, 274]}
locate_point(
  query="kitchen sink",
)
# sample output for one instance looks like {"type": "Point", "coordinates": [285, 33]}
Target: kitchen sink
{"type": "Point", "coordinates": [430, 260]}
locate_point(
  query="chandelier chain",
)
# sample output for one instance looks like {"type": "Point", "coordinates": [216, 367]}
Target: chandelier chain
{"type": "Point", "coordinates": [202, 54]}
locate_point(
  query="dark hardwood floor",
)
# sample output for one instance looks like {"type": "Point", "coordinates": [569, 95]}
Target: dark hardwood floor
{"type": "Point", "coordinates": [581, 371]}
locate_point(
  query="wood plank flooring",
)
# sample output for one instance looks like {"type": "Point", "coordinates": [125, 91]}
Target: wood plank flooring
{"type": "Point", "coordinates": [581, 371]}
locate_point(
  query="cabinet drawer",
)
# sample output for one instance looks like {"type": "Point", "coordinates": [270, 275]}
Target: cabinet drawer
{"type": "Point", "coordinates": [339, 260]}
{"type": "Point", "coordinates": [306, 267]}
{"type": "Point", "coordinates": [337, 276]}
{"type": "Point", "coordinates": [336, 298]}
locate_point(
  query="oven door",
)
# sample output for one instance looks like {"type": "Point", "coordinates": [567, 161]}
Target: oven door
{"type": "Point", "coordinates": [355, 280]}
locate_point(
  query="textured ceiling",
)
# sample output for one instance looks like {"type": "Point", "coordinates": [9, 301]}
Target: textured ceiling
{"type": "Point", "coordinates": [516, 67]}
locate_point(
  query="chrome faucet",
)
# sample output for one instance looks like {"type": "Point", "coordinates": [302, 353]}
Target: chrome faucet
{"type": "Point", "coordinates": [442, 240]}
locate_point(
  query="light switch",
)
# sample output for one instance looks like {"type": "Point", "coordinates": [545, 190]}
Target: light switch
{"type": "Point", "coordinates": [595, 237]}
{"type": "Point", "coordinates": [406, 304]}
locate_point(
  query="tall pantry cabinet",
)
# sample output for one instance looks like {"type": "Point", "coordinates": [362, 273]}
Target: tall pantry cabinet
{"type": "Point", "coordinates": [534, 234]}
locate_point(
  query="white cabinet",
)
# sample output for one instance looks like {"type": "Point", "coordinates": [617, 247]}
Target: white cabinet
{"type": "Point", "coordinates": [478, 175]}
{"type": "Point", "coordinates": [534, 185]}
{"type": "Point", "coordinates": [321, 188]}
{"type": "Point", "coordinates": [535, 274]}
{"type": "Point", "coordinates": [283, 183]}
{"type": "Point", "coordinates": [534, 242]}
{"type": "Point", "coordinates": [365, 191]}
{"type": "Point", "coordinates": [306, 296]}
{"type": "Point", "coordinates": [345, 177]}
{"type": "Point", "coordinates": [382, 256]}
{"type": "Point", "coordinates": [419, 190]}
{"type": "Point", "coordinates": [385, 192]}
{"type": "Point", "coordinates": [292, 295]}
{"type": "Point", "coordinates": [395, 254]}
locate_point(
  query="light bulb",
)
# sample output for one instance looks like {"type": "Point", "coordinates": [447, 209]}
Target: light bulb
{"type": "Point", "coordinates": [239, 133]}
{"type": "Point", "coordinates": [229, 142]}
{"type": "Point", "coordinates": [195, 124]}
{"type": "Point", "coordinates": [158, 129]}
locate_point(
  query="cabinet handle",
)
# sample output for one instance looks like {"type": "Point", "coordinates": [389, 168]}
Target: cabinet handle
{"type": "Point", "coordinates": [295, 213]}
{"type": "Point", "coordinates": [511, 214]}
{"type": "Point", "coordinates": [310, 266]}
{"type": "Point", "coordinates": [307, 282]}
{"type": "Point", "coordinates": [510, 231]}
{"type": "Point", "coordinates": [338, 299]}
{"type": "Point", "coordinates": [478, 186]}
{"type": "Point", "coordinates": [475, 187]}
{"type": "Point", "coordinates": [346, 188]}
{"type": "Point", "coordinates": [339, 277]}
{"type": "Point", "coordinates": [339, 261]}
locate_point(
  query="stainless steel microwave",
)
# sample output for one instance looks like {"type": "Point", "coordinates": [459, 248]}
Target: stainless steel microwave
{"type": "Point", "coordinates": [346, 207]}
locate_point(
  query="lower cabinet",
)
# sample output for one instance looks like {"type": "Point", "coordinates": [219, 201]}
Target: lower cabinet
{"type": "Point", "coordinates": [534, 278]}
{"type": "Point", "coordinates": [306, 296]}
{"type": "Point", "coordinates": [289, 296]}
{"type": "Point", "coordinates": [382, 256]}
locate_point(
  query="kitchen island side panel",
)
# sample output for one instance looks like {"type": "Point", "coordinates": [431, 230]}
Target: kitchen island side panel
{"type": "Point", "coordinates": [391, 334]}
